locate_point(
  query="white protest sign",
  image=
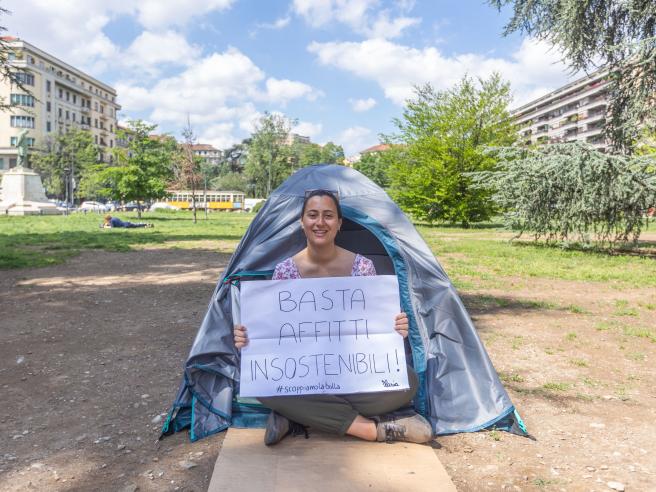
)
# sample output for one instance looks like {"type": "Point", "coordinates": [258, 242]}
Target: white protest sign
{"type": "Point", "coordinates": [331, 335]}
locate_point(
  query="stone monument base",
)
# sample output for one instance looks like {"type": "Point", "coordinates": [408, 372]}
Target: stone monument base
{"type": "Point", "coordinates": [23, 194]}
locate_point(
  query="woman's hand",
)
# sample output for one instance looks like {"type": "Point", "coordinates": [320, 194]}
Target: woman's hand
{"type": "Point", "coordinates": [401, 324]}
{"type": "Point", "coordinates": [241, 337]}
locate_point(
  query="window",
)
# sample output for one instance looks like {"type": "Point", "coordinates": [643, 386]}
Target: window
{"type": "Point", "coordinates": [68, 96]}
{"type": "Point", "coordinates": [48, 126]}
{"type": "Point", "coordinates": [24, 78]}
{"type": "Point", "coordinates": [61, 94]}
{"type": "Point", "coordinates": [74, 99]}
{"type": "Point", "coordinates": [95, 139]}
{"type": "Point", "coordinates": [22, 100]}
{"type": "Point", "coordinates": [95, 122]}
{"type": "Point", "coordinates": [2, 162]}
{"type": "Point", "coordinates": [73, 116]}
{"type": "Point", "coordinates": [60, 112]}
{"type": "Point", "coordinates": [111, 128]}
{"type": "Point", "coordinates": [102, 125]}
{"type": "Point", "coordinates": [48, 107]}
{"type": "Point", "coordinates": [14, 141]}
{"type": "Point", "coordinates": [95, 105]}
{"type": "Point", "coordinates": [68, 115]}
{"type": "Point", "coordinates": [22, 121]}
{"type": "Point", "coordinates": [102, 109]}
{"type": "Point", "coordinates": [47, 86]}
{"type": "Point", "coordinates": [111, 143]}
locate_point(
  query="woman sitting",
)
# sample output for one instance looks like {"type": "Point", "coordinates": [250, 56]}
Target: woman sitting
{"type": "Point", "coordinates": [364, 415]}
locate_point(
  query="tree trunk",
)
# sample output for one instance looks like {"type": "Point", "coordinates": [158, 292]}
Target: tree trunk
{"type": "Point", "coordinates": [205, 196]}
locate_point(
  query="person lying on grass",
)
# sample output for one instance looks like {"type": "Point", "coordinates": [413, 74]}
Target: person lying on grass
{"type": "Point", "coordinates": [111, 222]}
{"type": "Point", "coordinates": [368, 416]}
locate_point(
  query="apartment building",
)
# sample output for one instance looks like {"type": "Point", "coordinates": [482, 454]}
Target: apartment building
{"type": "Point", "coordinates": [293, 138]}
{"type": "Point", "coordinates": [576, 111]}
{"type": "Point", "coordinates": [58, 98]}
{"type": "Point", "coordinates": [209, 153]}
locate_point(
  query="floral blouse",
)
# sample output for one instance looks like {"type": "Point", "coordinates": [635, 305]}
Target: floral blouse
{"type": "Point", "coordinates": [287, 270]}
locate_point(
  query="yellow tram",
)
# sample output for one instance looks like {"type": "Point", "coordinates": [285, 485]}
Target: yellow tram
{"type": "Point", "coordinates": [216, 200]}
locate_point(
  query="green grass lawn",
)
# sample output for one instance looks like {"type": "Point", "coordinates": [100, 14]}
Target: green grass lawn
{"type": "Point", "coordinates": [478, 255]}
{"type": "Point", "coordinates": [487, 254]}
{"type": "Point", "coordinates": [40, 241]}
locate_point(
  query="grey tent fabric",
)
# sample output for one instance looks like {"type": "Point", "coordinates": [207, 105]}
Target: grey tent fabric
{"type": "Point", "coordinates": [460, 390]}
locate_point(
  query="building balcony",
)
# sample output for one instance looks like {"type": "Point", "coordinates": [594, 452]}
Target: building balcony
{"type": "Point", "coordinates": [591, 93]}
{"type": "Point", "coordinates": [84, 109]}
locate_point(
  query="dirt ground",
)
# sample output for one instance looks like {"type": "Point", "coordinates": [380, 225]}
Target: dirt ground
{"type": "Point", "coordinates": [91, 354]}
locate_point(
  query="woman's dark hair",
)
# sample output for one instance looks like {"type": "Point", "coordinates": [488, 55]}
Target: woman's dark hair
{"type": "Point", "coordinates": [312, 193]}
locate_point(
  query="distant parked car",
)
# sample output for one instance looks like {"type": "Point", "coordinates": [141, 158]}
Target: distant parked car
{"type": "Point", "coordinates": [249, 203]}
{"type": "Point", "coordinates": [90, 206]}
{"type": "Point", "coordinates": [131, 207]}
{"type": "Point", "coordinates": [162, 206]}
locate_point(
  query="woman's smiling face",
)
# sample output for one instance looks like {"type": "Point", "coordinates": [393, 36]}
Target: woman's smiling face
{"type": "Point", "coordinates": [320, 222]}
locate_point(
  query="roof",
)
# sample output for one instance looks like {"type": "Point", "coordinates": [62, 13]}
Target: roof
{"type": "Point", "coordinates": [377, 148]}
{"type": "Point", "coordinates": [203, 147]}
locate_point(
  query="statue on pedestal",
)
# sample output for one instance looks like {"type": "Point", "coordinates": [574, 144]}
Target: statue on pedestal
{"type": "Point", "coordinates": [22, 190]}
{"type": "Point", "coordinates": [21, 146]}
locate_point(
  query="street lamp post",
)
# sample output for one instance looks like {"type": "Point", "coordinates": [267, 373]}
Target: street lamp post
{"type": "Point", "coordinates": [67, 175]}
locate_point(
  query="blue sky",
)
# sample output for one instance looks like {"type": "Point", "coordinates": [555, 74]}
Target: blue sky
{"type": "Point", "coordinates": [342, 68]}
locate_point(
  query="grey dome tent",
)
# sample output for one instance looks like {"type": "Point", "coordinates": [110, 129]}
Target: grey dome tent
{"type": "Point", "coordinates": [460, 390]}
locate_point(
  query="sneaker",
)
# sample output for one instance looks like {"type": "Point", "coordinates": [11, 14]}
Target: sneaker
{"type": "Point", "coordinates": [413, 428]}
{"type": "Point", "coordinates": [278, 426]}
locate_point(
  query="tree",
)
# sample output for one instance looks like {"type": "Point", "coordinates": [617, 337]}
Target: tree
{"type": "Point", "coordinates": [332, 154]}
{"type": "Point", "coordinates": [308, 153]}
{"type": "Point", "coordinates": [67, 158]}
{"type": "Point", "coordinates": [189, 174]}
{"type": "Point", "coordinates": [268, 162]}
{"type": "Point", "coordinates": [230, 182]}
{"type": "Point", "coordinates": [375, 166]}
{"type": "Point", "coordinates": [443, 137]}
{"type": "Point", "coordinates": [7, 70]}
{"type": "Point", "coordinates": [572, 191]}
{"type": "Point", "coordinates": [144, 167]}
{"type": "Point", "coordinates": [620, 34]}
{"type": "Point", "coordinates": [233, 159]}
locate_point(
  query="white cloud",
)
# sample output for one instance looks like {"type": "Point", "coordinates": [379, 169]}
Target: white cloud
{"type": "Point", "coordinates": [150, 50]}
{"type": "Point", "coordinates": [308, 129]}
{"type": "Point", "coordinates": [282, 91]}
{"type": "Point", "coordinates": [397, 68]}
{"type": "Point", "coordinates": [73, 29]}
{"type": "Point", "coordinates": [361, 105]}
{"type": "Point", "coordinates": [219, 93]}
{"type": "Point", "coordinates": [220, 135]}
{"type": "Point", "coordinates": [355, 139]}
{"type": "Point", "coordinates": [280, 23]}
{"type": "Point", "coordinates": [160, 14]}
{"type": "Point", "coordinates": [360, 15]}
{"type": "Point", "coordinates": [384, 27]}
